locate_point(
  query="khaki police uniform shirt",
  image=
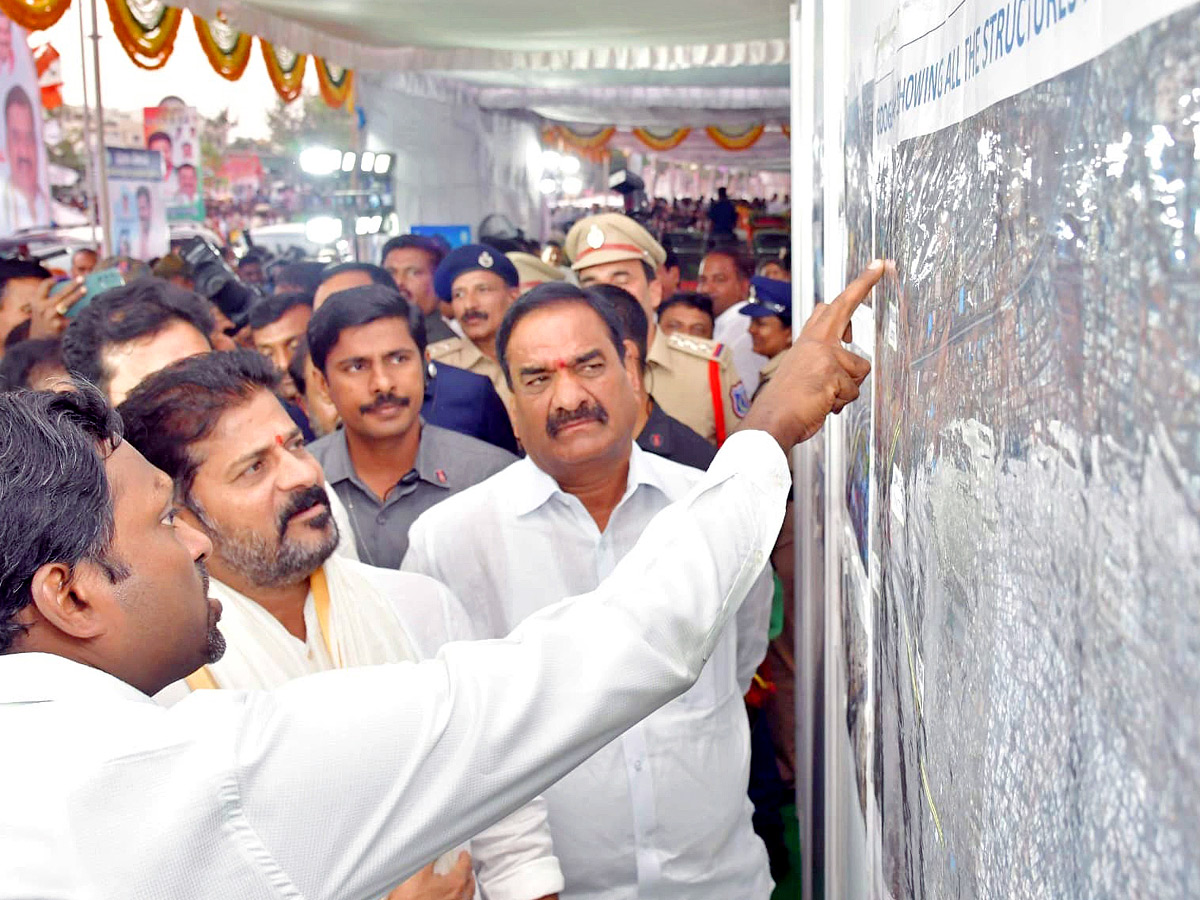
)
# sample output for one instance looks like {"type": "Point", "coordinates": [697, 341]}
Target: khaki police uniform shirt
{"type": "Point", "coordinates": [768, 370]}
{"type": "Point", "coordinates": [680, 382]}
{"type": "Point", "coordinates": [462, 353]}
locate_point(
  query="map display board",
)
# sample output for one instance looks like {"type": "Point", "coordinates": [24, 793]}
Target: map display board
{"type": "Point", "coordinates": [1017, 628]}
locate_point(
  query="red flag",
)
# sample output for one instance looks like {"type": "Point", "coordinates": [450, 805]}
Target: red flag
{"type": "Point", "coordinates": [49, 72]}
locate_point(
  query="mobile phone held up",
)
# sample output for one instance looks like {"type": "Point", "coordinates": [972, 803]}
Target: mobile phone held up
{"type": "Point", "coordinates": [94, 284]}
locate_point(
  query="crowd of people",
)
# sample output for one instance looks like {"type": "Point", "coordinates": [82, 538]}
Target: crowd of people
{"type": "Point", "coordinates": [385, 460]}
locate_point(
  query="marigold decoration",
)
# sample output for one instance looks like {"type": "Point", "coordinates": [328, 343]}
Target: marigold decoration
{"type": "Point", "coordinates": [146, 30]}
{"type": "Point", "coordinates": [227, 50]}
{"type": "Point", "coordinates": [34, 15]}
{"type": "Point", "coordinates": [735, 140]}
{"type": "Point", "coordinates": [335, 82]}
{"type": "Point", "coordinates": [663, 141]}
{"type": "Point", "coordinates": [787, 132]}
{"type": "Point", "coordinates": [286, 70]}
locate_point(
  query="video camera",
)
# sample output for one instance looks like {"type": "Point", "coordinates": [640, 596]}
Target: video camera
{"type": "Point", "coordinates": [212, 278]}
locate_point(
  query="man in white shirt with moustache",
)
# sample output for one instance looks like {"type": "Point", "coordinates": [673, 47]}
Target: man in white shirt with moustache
{"type": "Point", "coordinates": [725, 277]}
{"type": "Point", "coordinates": [103, 602]}
{"type": "Point", "coordinates": [290, 607]}
{"type": "Point", "coordinates": [663, 811]}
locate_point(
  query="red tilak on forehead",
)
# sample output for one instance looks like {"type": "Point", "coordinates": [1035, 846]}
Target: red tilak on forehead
{"type": "Point", "coordinates": [561, 364]}
{"type": "Point", "coordinates": [279, 439]}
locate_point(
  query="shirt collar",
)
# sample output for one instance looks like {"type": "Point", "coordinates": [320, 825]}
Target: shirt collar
{"type": "Point", "coordinates": [532, 488]}
{"type": "Point", "coordinates": [38, 677]}
{"type": "Point", "coordinates": [430, 465]}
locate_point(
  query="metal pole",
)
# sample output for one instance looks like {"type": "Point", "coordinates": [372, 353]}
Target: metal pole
{"type": "Point", "coordinates": [101, 150]}
{"type": "Point", "coordinates": [89, 168]}
{"type": "Point", "coordinates": [807, 590]}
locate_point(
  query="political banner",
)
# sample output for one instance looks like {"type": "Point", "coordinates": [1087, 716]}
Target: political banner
{"type": "Point", "coordinates": [173, 129]}
{"type": "Point", "coordinates": [139, 214]}
{"type": "Point", "coordinates": [24, 183]}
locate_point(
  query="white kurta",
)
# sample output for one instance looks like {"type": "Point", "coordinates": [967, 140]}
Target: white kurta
{"type": "Point", "coordinates": [733, 329]}
{"type": "Point", "coordinates": [663, 811]}
{"type": "Point", "coordinates": [330, 785]}
{"type": "Point", "coordinates": [379, 616]}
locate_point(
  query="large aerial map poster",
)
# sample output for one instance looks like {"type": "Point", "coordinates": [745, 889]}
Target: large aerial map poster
{"type": "Point", "coordinates": [1020, 662]}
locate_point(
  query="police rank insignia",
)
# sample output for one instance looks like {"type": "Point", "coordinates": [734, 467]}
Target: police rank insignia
{"type": "Point", "coordinates": [595, 237]}
{"type": "Point", "coordinates": [740, 398]}
{"type": "Point", "coordinates": [485, 260]}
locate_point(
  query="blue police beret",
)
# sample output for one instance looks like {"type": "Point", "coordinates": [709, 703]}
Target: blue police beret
{"type": "Point", "coordinates": [471, 258]}
{"type": "Point", "coordinates": [769, 297]}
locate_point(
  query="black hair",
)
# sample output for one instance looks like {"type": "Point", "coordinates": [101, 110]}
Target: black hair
{"type": "Point", "coordinates": [634, 322]}
{"type": "Point", "coordinates": [271, 309]}
{"type": "Point", "coordinates": [743, 263]}
{"type": "Point", "coordinates": [181, 404]}
{"type": "Point", "coordinates": [16, 97]}
{"type": "Point", "coordinates": [250, 259]}
{"type": "Point", "coordinates": [431, 246]}
{"type": "Point", "coordinates": [12, 269]}
{"type": "Point", "coordinates": [361, 306]}
{"type": "Point", "coordinates": [143, 191]}
{"type": "Point", "coordinates": [296, 367]}
{"type": "Point", "coordinates": [783, 260]}
{"type": "Point", "coordinates": [19, 333]}
{"type": "Point", "coordinates": [159, 136]}
{"type": "Point", "coordinates": [377, 274]}
{"type": "Point", "coordinates": [693, 299]}
{"type": "Point", "coordinates": [141, 308]}
{"type": "Point", "coordinates": [556, 293]}
{"type": "Point", "coordinates": [23, 357]}
{"type": "Point", "coordinates": [57, 502]}
{"type": "Point", "coordinates": [306, 276]}
{"type": "Point", "coordinates": [672, 259]}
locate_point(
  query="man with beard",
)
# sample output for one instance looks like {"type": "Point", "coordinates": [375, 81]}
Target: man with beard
{"type": "Point", "coordinates": [672, 819]}
{"type": "Point", "coordinates": [290, 607]}
{"type": "Point", "coordinates": [480, 283]}
{"type": "Point", "coordinates": [386, 464]}
{"type": "Point", "coordinates": [102, 603]}
{"type": "Point", "coordinates": [25, 202]}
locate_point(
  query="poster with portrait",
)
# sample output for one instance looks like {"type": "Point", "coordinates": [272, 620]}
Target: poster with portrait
{"type": "Point", "coordinates": [139, 214]}
{"type": "Point", "coordinates": [24, 184]}
{"type": "Point", "coordinates": [173, 130]}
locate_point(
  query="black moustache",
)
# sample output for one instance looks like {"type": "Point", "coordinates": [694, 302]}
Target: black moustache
{"type": "Point", "coordinates": [384, 400]}
{"type": "Point", "coordinates": [474, 315]}
{"type": "Point", "coordinates": [301, 501]}
{"type": "Point", "coordinates": [560, 420]}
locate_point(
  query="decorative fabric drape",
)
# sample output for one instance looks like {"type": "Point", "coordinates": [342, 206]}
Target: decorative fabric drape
{"type": "Point", "coordinates": [729, 139]}
{"type": "Point", "coordinates": [660, 140]}
{"type": "Point", "coordinates": [228, 51]}
{"type": "Point", "coordinates": [336, 83]}
{"type": "Point", "coordinates": [34, 15]}
{"type": "Point", "coordinates": [146, 30]}
{"type": "Point", "coordinates": [286, 70]}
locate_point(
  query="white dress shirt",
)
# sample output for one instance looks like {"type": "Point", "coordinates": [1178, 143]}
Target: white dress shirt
{"type": "Point", "coordinates": [733, 329]}
{"type": "Point", "coordinates": [379, 616]}
{"type": "Point", "coordinates": [330, 785]}
{"type": "Point", "coordinates": [663, 811]}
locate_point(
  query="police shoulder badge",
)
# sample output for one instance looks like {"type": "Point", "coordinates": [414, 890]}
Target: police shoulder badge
{"type": "Point", "coordinates": [740, 398]}
{"type": "Point", "coordinates": [485, 260]}
{"type": "Point", "coordinates": [595, 237]}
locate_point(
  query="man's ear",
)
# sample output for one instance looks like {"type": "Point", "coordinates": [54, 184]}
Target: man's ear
{"type": "Point", "coordinates": [656, 296]}
{"type": "Point", "coordinates": [66, 599]}
{"type": "Point", "coordinates": [633, 365]}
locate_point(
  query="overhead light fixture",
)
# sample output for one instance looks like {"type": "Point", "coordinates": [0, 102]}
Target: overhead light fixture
{"type": "Point", "coordinates": [572, 185]}
{"type": "Point", "coordinates": [323, 230]}
{"type": "Point", "coordinates": [368, 160]}
{"type": "Point", "coordinates": [547, 185]}
{"type": "Point", "coordinates": [551, 160]}
{"type": "Point", "coordinates": [348, 160]}
{"type": "Point", "coordinates": [383, 163]}
{"type": "Point", "coordinates": [571, 165]}
{"type": "Point", "coordinates": [320, 160]}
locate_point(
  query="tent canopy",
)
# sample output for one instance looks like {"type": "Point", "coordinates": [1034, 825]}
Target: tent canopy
{"type": "Point", "coordinates": [624, 62]}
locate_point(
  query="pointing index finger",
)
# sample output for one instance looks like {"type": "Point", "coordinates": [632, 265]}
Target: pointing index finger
{"type": "Point", "coordinates": [844, 305]}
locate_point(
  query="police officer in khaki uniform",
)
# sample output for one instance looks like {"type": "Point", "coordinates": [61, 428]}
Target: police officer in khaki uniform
{"type": "Point", "coordinates": [532, 271]}
{"type": "Point", "coordinates": [481, 284]}
{"type": "Point", "coordinates": [770, 310]}
{"type": "Point", "coordinates": [691, 378]}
